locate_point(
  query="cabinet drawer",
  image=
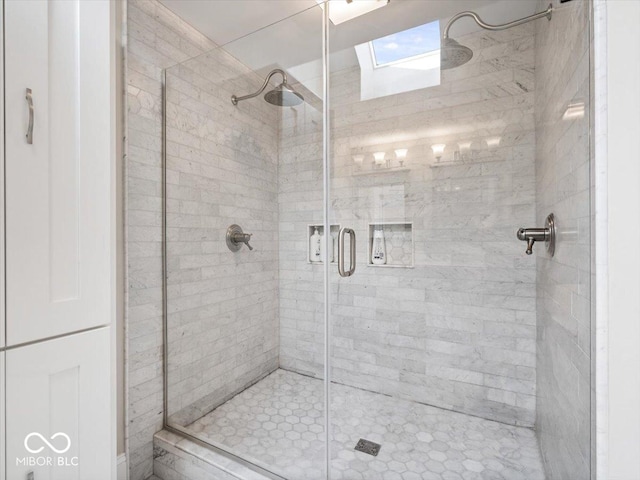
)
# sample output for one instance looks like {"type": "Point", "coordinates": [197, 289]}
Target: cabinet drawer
{"type": "Point", "coordinates": [58, 396]}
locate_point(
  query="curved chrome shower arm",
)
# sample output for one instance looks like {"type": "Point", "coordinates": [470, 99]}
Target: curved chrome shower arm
{"type": "Point", "coordinates": [486, 26]}
{"type": "Point", "coordinates": [235, 99]}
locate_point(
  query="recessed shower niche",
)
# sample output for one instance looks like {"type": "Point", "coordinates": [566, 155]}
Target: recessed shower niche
{"type": "Point", "coordinates": [395, 240]}
{"type": "Point", "coordinates": [315, 245]}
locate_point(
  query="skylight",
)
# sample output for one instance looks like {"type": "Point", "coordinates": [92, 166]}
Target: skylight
{"type": "Point", "coordinates": [344, 10]}
{"type": "Point", "coordinates": [402, 62]}
{"type": "Point", "coordinates": [406, 44]}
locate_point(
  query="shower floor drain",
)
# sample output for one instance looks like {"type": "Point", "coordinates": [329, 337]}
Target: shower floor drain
{"type": "Point", "coordinates": [368, 447]}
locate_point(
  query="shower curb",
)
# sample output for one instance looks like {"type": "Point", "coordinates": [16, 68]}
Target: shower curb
{"type": "Point", "coordinates": [178, 458]}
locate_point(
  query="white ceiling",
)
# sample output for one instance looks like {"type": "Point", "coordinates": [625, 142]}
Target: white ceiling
{"type": "Point", "coordinates": [265, 34]}
{"type": "Point", "coordinates": [226, 20]}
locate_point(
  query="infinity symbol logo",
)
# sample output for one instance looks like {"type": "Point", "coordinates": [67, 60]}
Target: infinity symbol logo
{"type": "Point", "coordinates": [48, 444]}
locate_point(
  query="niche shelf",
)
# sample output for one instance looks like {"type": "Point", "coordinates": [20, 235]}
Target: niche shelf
{"type": "Point", "coordinates": [380, 171]}
{"type": "Point", "coordinates": [335, 229]}
{"type": "Point", "coordinates": [399, 243]}
{"type": "Point", "coordinates": [455, 163]}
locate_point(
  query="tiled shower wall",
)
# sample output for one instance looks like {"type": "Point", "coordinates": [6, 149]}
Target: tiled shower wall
{"type": "Point", "coordinates": [221, 170]}
{"type": "Point", "coordinates": [562, 187]}
{"type": "Point", "coordinates": [458, 330]}
{"type": "Point", "coordinates": [156, 39]}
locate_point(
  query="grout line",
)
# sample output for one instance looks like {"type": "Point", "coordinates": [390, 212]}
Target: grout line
{"type": "Point", "coordinates": [439, 407]}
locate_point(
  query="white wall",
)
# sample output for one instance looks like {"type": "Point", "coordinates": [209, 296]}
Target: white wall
{"type": "Point", "coordinates": [621, 108]}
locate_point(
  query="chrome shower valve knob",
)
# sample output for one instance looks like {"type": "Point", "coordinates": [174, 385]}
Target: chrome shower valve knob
{"type": "Point", "coordinates": [236, 237]}
{"type": "Point", "coordinates": [546, 234]}
{"type": "Point", "coordinates": [532, 235]}
{"type": "Point", "coordinates": [242, 238]}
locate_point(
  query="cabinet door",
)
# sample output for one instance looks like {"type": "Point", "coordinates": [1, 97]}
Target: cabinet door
{"type": "Point", "coordinates": [58, 188]}
{"type": "Point", "coordinates": [59, 404]}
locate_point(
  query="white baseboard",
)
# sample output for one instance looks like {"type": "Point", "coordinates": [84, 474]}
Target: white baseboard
{"type": "Point", "coordinates": [123, 471]}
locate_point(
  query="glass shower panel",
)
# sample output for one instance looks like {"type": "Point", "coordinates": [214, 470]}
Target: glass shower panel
{"type": "Point", "coordinates": [433, 363]}
{"type": "Point", "coordinates": [244, 300]}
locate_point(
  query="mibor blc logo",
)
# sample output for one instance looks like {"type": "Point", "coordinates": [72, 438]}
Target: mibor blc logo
{"type": "Point", "coordinates": [46, 442]}
{"type": "Point", "coordinates": [36, 443]}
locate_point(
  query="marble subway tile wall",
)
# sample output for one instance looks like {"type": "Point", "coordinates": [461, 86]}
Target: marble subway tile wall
{"type": "Point", "coordinates": [562, 187]}
{"type": "Point", "coordinates": [156, 39]}
{"type": "Point", "coordinates": [459, 329]}
{"type": "Point", "coordinates": [222, 163]}
{"type": "Point", "coordinates": [222, 169]}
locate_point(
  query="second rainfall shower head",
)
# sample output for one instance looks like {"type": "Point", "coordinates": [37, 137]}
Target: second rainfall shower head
{"type": "Point", "coordinates": [453, 54]}
{"type": "Point", "coordinates": [282, 96]}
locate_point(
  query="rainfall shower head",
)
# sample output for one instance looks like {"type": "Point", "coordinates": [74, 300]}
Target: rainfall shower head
{"type": "Point", "coordinates": [452, 54]}
{"type": "Point", "coordinates": [282, 96]}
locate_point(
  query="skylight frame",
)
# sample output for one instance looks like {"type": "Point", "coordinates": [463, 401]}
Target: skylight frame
{"type": "Point", "coordinates": [340, 15]}
{"type": "Point", "coordinates": [412, 57]}
{"type": "Point", "coordinates": [401, 60]}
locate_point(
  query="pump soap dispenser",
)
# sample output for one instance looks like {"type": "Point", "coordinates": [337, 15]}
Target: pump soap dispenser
{"type": "Point", "coordinates": [315, 242]}
{"type": "Point", "coordinates": [379, 249]}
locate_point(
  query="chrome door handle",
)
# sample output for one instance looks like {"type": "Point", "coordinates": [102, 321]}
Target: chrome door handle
{"type": "Point", "coordinates": [352, 252]}
{"type": "Point", "coordinates": [29, 135]}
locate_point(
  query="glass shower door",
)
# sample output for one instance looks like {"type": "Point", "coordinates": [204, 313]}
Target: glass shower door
{"type": "Point", "coordinates": [435, 364]}
{"type": "Point", "coordinates": [244, 343]}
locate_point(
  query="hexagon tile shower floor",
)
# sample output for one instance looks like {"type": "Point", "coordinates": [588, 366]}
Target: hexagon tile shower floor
{"type": "Point", "coordinates": [279, 422]}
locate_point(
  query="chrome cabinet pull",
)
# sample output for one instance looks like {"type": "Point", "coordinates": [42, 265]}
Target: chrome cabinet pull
{"type": "Point", "coordinates": [30, 127]}
{"type": "Point", "coordinates": [352, 252]}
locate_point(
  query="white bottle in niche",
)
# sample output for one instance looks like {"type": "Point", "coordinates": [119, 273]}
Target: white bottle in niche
{"type": "Point", "coordinates": [333, 245]}
{"type": "Point", "coordinates": [315, 245]}
{"type": "Point", "coordinates": [378, 249]}
{"type": "Point", "coordinates": [323, 249]}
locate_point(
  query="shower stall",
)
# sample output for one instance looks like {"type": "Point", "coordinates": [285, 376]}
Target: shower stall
{"type": "Point", "coordinates": [345, 295]}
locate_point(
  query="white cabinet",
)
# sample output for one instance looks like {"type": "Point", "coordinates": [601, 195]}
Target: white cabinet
{"type": "Point", "coordinates": [58, 188]}
{"type": "Point", "coordinates": [58, 399]}
{"type": "Point", "coordinates": [57, 262]}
